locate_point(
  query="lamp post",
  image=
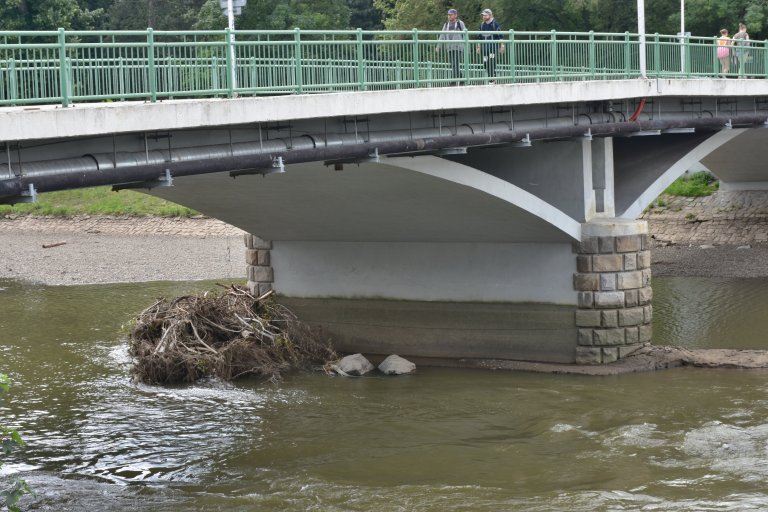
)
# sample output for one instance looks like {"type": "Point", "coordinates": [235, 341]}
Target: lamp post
{"type": "Point", "coordinates": [641, 33]}
{"type": "Point", "coordinates": [682, 36]}
{"type": "Point", "coordinates": [230, 8]}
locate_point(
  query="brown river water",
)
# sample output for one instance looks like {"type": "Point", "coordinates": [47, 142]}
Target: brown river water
{"type": "Point", "coordinates": [438, 440]}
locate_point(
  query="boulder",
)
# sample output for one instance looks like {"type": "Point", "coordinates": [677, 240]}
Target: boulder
{"type": "Point", "coordinates": [356, 364]}
{"type": "Point", "coordinates": [396, 365]}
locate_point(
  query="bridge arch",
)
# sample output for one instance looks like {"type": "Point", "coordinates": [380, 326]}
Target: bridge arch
{"type": "Point", "coordinates": [526, 202]}
{"type": "Point", "coordinates": [643, 173]}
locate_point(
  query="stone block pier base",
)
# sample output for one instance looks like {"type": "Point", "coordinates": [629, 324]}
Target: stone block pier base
{"type": "Point", "coordinates": [613, 282]}
{"type": "Point", "coordinates": [258, 258]}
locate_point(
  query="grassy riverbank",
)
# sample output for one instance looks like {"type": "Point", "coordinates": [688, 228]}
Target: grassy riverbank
{"type": "Point", "coordinates": [98, 201]}
{"type": "Point", "coordinates": [102, 201]}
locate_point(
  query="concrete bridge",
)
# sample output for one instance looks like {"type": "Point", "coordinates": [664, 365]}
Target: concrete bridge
{"type": "Point", "coordinates": [437, 223]}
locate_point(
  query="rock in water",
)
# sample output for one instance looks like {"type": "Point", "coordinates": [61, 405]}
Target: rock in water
{"type": "Point", "coordinates": [356, 364]}
{"type": "Point", "coordinates": [396, 365]}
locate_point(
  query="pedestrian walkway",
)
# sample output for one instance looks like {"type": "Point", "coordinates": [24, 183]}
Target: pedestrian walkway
{"type": "Point", "coordinates": [732, 218]}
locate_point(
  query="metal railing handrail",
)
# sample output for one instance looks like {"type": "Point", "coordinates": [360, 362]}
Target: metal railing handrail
{"type": "Point", "coordinates": [60, 67]}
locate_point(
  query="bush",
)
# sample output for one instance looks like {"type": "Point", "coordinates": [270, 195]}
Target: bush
{"type": "Point", "coordinates": [698, 185]}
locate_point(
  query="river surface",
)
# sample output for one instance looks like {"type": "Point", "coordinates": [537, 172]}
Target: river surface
{"type": "Point", "coordinates": [438, 440]}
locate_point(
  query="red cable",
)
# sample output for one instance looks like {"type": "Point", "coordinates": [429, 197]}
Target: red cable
{"type": "Point", "coordinates": [638, 111]}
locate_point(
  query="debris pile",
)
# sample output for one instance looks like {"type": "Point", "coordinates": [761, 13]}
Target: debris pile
{"type": "Point", "coordinates": [227, 336]}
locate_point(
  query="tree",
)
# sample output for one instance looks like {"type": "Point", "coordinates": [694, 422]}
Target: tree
{"type": "Point", "coordinates": [363, 14]}
{"type": "Point", "coordinates": [703, 17]}
{"type": "Point", "coordinates": [156, 14]}
{"type": "Point", "coordinates": [429, 14]}
{"type": "Point", "coordinates": [47, 15]}
{"type": "Point", "coordinates": [317, 15]}
{"type": "Point", "coordinates": [284, 15]}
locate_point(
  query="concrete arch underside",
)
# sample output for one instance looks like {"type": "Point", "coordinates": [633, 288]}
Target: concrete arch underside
{"type": "Point", "coordinates": [416, 228]}
{"type": "Point", "coordinates": [402, 199]}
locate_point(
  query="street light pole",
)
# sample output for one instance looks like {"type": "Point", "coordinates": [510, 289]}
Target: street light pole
{"type": "Point", "coordinates": [231, 19]}
{"type": "Point", "coordinates": [682, 36]}
{"type": "Point", "coordinates": [682, 16]}
{"type": "Point", "coordinates": [641, 33]}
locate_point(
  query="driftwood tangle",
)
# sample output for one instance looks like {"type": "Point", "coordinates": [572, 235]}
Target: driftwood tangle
{"type": "Point", "coordinates": [227, 336]}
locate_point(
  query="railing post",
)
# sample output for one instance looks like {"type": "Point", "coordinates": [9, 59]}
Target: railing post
{"type": "Point", "coordinates": [512, 56]}
{"type": "Point", "coordinates": [715, 59]}
{"type": "Point", "coordinates": [121, 81]}
{"type": "Point", "coordinates": [215, 73]}
{"type": "Point", "coordinates": [416, 58]}
{"type": "Point", "coordinates": [230, 64]}
{"type": "Point", "coordinates": [553, 52]}
{"type": "Point", "coordinates": [254, 76]}
{"type": "Point", "coordinates": [297, 55]}
{"type": "Point", "coordinates": [63, 72]}
{"type": "Point", "coordinates": [13, 82]}
{"type": "Point", "coordinates": [152, 70]}
{"type": "Point", "coordinates": [465, 64]}
{"type": "Point", "coordinates": [657, 53]}
{"type": "Point", "coordinates": [360, 61]}
{"type": "Point", "coordinates": [687, 56]}
{"type": "Point", "coordinates": [765, 58]}
{"type": "Point", "coordinates": [627, 55]}
{"type": "Point", "coordinates": [592, 55]}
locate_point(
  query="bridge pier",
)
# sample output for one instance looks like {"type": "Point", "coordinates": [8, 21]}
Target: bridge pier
{"type": "Point", "coordinates": [613, 283]}
{"type": "Point", "coordinates": [258, 258]}
{"type": "Point", "coordinates": [607, 317]}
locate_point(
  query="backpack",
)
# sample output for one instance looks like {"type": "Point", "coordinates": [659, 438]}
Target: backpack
{"type": "Point", "coordinates": [459, 26]}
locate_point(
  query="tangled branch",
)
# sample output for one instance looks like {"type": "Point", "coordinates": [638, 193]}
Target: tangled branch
{"type": "Point", "coordinates": [227, 336]}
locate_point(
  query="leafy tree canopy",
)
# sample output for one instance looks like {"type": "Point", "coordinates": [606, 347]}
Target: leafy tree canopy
{"type": "Point", "coordinates": [702, 17]}
{"type": "Point", "coordinates": [47, 15]}
{"type": "Point", "coordinates": [284, 15]}
{"type": "Point", "coordinates": [157, 14]}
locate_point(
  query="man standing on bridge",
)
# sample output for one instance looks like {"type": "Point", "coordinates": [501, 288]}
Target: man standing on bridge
{"type": "Point", "coordinates": [491, 32]}
{"type": "Point", "coordinates": [453, 30]}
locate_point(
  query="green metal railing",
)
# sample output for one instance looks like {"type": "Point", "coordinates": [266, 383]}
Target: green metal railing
{"type": "Point", "coordinates": [62, 67]}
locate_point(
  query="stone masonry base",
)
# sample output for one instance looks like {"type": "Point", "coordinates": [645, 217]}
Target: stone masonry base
{"type": "Point", "coordinates": [613, 282]}
{"type": "Point", "coordinates": [259, 264]}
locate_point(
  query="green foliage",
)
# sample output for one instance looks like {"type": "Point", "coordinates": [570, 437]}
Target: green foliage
{"type": "Point", "coordinates": [47, 15]}
{"type": "Point", "coordinates": [157, 14]}
{"type": "Point", "coordinates": [702, 17]}
{"type": "Point", "coordinates": [289, 14]}
{"type": "Point", "coordinates": [363, 14]}
{"type": "Point", "coordinates": [11, 497]}
{"type": "Point", "coordinates": [210, 18]}
{"type": "Point", "coordinates": [698, 185]}
{"type": "Point", "coordinates": [11, 440]}
{"type": "Point", "coordinates": [98, 201]}
{"type": "Point", "coordinates": [431, 14]}
{"type": "Point", "coordinates": [284, 15]}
